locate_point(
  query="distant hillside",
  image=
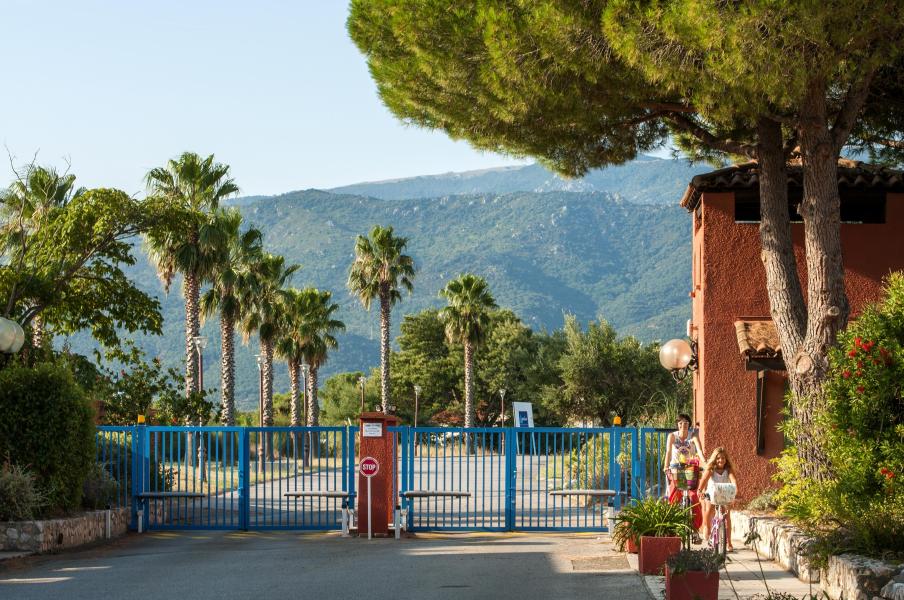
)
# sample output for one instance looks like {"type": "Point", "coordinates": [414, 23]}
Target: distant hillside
{"type": "Point", "coordinates": [544, 254]}
{"type": "Point", "coordinates": [647, 180]}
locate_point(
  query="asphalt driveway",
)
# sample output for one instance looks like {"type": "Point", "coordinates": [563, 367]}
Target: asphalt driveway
{"type": "Point", "coordinates": [218, 565]}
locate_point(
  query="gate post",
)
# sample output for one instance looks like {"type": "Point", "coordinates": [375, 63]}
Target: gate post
{"type": "Point", "coordinates": [244, 483]}
{"type": "Point", "coordinates": [377, 442]}
{"type": "Point", "coordinates": [138, 432]}
{"type": "Point", "coordinates": [511, 479]}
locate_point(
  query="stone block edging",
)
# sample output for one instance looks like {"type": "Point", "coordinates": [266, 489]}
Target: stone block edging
{"type": "Point", "coordinates": [53, 535]}
{"type": "Point", "coordinates": [847, 576]}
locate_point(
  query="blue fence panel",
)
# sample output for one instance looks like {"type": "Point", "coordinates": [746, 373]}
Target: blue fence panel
{"type": "Point", "coordinates": [648, 462]}
{"type": "Point", "coordinates": [556, 472]}
{"type": "Point", "coordinates": [459, 475]}
{"type": "Point", "coordinates": [113, 452]}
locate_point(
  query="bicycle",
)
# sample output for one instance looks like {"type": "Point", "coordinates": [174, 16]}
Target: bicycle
{"type": "Point", "coordinates": [685, 477]}
{"type": "Point", "coordinates": [722, 494]}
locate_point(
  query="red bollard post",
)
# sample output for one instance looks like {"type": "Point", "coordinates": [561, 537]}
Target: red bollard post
{"type": "Point", "coordinates": [377, 443]}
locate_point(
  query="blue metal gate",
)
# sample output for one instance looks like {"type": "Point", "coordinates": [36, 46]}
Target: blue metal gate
{"type": "Point", "coordinates": [499, 479]}
{"type": "Point", "coordinates": [231, 477]}
{"type": "Point", "coordinates": [496, 479]}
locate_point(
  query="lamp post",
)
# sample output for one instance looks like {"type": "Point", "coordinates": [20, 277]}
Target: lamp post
{"type": "Point", "coordinates": [501, 418]}
{"type": "Point", "coordinates": [679, 357]}
{"type": "Point", "coordinates": [12, 336]}
{"type": "Point", "coordinates": [260, 410]}
{"type": "Point", "coordinates": [306, 438]}
{"type": "Point", "coordinates": [361, 381]}
{"type": "Point", "coordinates": [200, 343]}
{"type": "Point", "coordinates": [304, 394]}
{"type": "Point", "coordinates": [417, 393]}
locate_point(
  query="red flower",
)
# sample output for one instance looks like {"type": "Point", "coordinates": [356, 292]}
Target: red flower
{"type": "Point", "coordinates": [852, 353]}
{"type": "Point", "coordinates": [856, 341]}
{"type": "Point", "coordinates": [846, 374]}
{"type": "Point", "coordinates": [859, 373]}
{"type": "Point", "coordinates": [859, 389]}
{"type": "Point", "coordinates": [859, 364]}
{"type": "Point", "coordinates": [868, 345]}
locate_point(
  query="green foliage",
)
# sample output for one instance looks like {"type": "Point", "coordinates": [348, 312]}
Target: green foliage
{"type": "Point", "coordinates": [341, 398]}
{"type": "Point", "coordinates": [47, 426]}
{"type": "Point", "coordinates": [707, 561]}
{"type": "Point", "coordinates": [380, 269]}
{"type": "Point", "coordinates": [138, 387]}
{"type": "Point", "coordinates": [63, 255]}
{"type": "Point", "coordinates": [653, 516]}
{"type": "Point", "coordinates": [765, 502]}
{"type": "Point", "coordinates": [604, 376]}
{"type": "Point", "coordinates": [100, 489]}
{"type": "Point", "coordinates": [862, 429]}
{"type": "Point", "coordinates": [20, 497]}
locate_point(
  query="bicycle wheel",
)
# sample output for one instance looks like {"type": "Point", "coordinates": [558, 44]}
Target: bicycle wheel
{"type": "Point", "coordinates": [718, 534]}
{"type": "Point", "coordinates": [686, 504]}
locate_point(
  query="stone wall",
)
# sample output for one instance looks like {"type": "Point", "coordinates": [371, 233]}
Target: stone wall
{"type": "Point", "coordinates": [56, 534]}
{"type": "Point", "coordinates": [847, 576]}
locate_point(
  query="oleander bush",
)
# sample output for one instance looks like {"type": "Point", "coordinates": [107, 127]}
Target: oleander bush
{"type": "Point", "coordinates": [861, 507]}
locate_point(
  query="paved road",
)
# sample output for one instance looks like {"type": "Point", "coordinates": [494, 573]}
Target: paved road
{"type": "Point", "coordinates": [220, 565]}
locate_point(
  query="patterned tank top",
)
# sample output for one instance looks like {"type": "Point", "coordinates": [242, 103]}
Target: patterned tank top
{"type": "Point", "coordinates": [682, 450]}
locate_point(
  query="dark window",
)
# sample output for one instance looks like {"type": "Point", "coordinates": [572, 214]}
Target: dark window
{"type": "Point", "coordinates": [858, 205]}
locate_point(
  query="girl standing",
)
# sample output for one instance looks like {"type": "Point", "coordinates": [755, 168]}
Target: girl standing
{"type": "Point", "coordinates": [683, 449]}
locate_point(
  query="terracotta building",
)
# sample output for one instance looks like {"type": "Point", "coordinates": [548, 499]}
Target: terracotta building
{"type": "Point", "coordinates": [740, 381]}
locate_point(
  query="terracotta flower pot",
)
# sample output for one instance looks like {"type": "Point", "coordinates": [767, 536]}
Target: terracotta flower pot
{"type": "Point", "coordinates": [631, 546]}
{"type": "Point", "coordinates": [691, 585]}
{"type": "Point", "coordinates": [654, 551]}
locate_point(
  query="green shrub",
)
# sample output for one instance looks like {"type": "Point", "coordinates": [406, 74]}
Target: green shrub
{"type": "Point", "coordinates": [860, 508]}
{"type": "Point", "coordinates": [100, 489]}
{"type": "Point", "coordinates": [653, 516]}
{"type": "Point", "coordinates": [20, 498]}
{"type": "Point", "coordinates": [765, 502]}
{"type": "Point", "coordinates": [47, 424]}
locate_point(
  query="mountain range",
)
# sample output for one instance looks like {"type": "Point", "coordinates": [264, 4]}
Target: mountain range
{"type": "Point", "coordinates": [613, 245]}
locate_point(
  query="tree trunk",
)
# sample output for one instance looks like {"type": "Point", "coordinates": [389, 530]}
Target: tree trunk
{"type": "Point", "coordinates": [37, 332]}
{"type": "Point", "coordinates": [384, 346]}
{"type": "Point", "coordinates": [313, 406]}
{"type": "Point", "coordinates": [827, 303]}
{"type": "Point", "coordinates": [294, 392]}
{"type": "Point", "coordinates": [786, 299]}
{"type": "Point", "coordinates": [191, 290]}
{"type": "Point", "coordinates": [267, 354]}
{"type": "Point", "coordinates": [469, 384]}
{"type": "Point", "coordinates": [227, 371]}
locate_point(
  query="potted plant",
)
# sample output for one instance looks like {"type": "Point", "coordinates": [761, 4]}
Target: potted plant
{"type": "Point", "coordinates": [660, 527]}
{"type": "Point", "coordinates": [693, 575]}
{"type": "Point", "coordinates": [624, 537]}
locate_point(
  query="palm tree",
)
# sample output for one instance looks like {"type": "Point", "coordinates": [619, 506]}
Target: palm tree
{"type": "Point", "coordinates": [318, 329]}
{"type": "Point", "coordinates": [289, 346]}
{"type": "Point", "coordinates": [229, 281]}
{"type": "Point", "coordinates": [263, 301]}
{"type": "Point", "coordinates": [467, 318]}
{"type": "Point", "coordinates": [378, 271]}
{"type": "Point", "coordinates": [188, 242]}
{"type": "Point", "coordinates": [23, 207]}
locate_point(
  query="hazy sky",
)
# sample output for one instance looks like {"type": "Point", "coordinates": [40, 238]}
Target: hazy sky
{"type": "Point", "coordinates": [274, 89]}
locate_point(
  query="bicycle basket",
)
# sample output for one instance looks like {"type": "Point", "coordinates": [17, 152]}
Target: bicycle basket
{"type": "Point", "coordinates": [722, 493]}
{"type": "Point", "coordinates": [686, 477]}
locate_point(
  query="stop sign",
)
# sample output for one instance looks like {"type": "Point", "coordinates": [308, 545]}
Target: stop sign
{"type": "Point", "coordinates": [369, 466]}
